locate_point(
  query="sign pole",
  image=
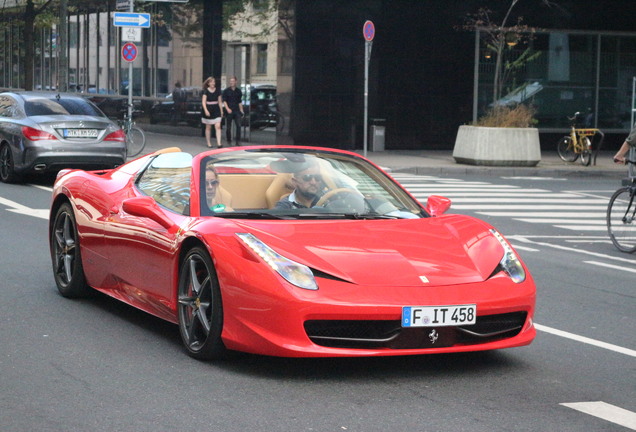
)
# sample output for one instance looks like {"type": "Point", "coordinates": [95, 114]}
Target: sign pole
{"type": "Point", "coordinates": [368, 31]}
{"type": "Point", "coordinates": [130, 74]}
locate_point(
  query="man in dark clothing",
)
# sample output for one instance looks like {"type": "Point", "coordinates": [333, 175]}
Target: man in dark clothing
{"type": "Point", "coordinates": [179, 101]}
{"type": "Point", "coordinates": [233, 103]}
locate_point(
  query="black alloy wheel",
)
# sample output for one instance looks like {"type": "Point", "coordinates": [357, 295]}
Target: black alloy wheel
{"type": "Point", "coordinates": [200, 307]}
{"type": "Point", "coordinates": [65, 254]}
{"type": "Point", "coordinates": [7, 167]}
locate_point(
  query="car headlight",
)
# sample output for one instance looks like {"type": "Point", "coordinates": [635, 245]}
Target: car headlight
{"type": "Point", "coordinates": [510, 262]}
{"type": "Point", "coordinates": [293, 272]}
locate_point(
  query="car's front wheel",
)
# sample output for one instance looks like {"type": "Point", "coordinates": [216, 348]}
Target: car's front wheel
{"type": "Point", "coordinates": [200, 306]}
{"type": "Point", "coordinates": [65, 254]}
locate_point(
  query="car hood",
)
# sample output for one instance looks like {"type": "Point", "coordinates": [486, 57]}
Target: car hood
{"type": "Point", "coordinates": [438, 251]}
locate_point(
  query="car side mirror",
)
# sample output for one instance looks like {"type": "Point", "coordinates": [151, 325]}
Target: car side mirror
{"type": "Point", "coordinates": [147, 207]}
{"type": "Point", "coordinates": [437, 205]}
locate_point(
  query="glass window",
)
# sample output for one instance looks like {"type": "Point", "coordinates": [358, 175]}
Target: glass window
{"type": "Point", "coordinates": [167, 181]}
{"type": "Point", "coordinates": [300, 184]}
{"type": "Point", "coordinates": [261, 59]}
{"type": "Point", "coordinates": [6, 106]}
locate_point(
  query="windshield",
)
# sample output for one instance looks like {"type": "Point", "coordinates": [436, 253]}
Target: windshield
{"type": "Point", "coordinates": [43, 106]}
{"type": "Point", "coordinates": [300, 184]}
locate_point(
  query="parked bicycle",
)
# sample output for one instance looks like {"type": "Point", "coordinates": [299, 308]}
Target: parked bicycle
{"type": "Point", "coordinates": [135, 136]}
{"type": "Point", "coordinates": [577, 143]}
{"type": "Point", "coordinates": [621, 215]}
{"type": "Point", "coordinates": [266, 116]}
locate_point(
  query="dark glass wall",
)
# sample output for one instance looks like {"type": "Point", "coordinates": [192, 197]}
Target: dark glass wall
{"type": "Point", "coordinates": [422, 66]}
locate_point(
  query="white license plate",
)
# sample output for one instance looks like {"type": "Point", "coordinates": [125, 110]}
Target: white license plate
{"type": "Point", "coordinates": [80, 133]}
{"type": "Point", "coordinates": [439, 316]}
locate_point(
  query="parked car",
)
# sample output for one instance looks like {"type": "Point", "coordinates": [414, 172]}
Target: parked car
{"type": "Point", "coordinates": [263, 112]}
{"type": "Point", "coordinates": [43, 132]}
{"type": "Point", "coordinates": [165, 112]}
{"type": "Point", "coordinates": [213, 243]}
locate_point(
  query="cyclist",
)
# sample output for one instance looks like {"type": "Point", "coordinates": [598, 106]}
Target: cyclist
{"type": "Point", "coordinates": [630, 141]}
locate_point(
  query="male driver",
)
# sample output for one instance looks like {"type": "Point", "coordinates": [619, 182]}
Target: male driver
{"type": "Point", "coordinates": [233, 103]}
{"type": "Point", "coordinates": [308, 188]}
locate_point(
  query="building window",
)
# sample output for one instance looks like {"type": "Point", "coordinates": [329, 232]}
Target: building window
{"type": "Point", "coordinates": [261, 59]}
{"type": "Point", "coordinates": [285, 57]}
{"type": "Point", "coordinates": [260, 6]}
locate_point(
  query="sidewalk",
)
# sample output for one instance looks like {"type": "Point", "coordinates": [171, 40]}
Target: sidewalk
{"type": "Point", "coordinates": [425, 162]}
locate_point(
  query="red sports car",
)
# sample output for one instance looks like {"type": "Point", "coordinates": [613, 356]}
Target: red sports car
{"type": "Point", "coordinates": [288, 251]}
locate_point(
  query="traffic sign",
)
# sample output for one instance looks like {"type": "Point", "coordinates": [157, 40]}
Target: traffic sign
{"type": "Point", "coordinates": [368, 31]}
{"type": "Point", "coordinates": [123, 5]}
{"type": "Point", "coordinates": [131, 34]}
{"type": "Point", "coordinates": [131, 19]}
{"type": "Point", "coordinates": [129, 52]}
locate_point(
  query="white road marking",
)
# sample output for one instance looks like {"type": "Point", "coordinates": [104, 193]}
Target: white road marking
{"type": "Point", "coordinates": [44, 188]}
{"type": "Point", "coordinates": [527, 240]}
{"type": "Point", "coordinates": [525, 248]}
{"type": "Point", "coordinates": [605, 411]}
{"type": "Point", "coordinates": [570, 221]}
{"type": "Point", "coordinates": [534, 178]}
{"type": "Point", "coordinates": [586, 340]}
{"type": "Point", "coordinates": [22, 209]}
{"type": "Point", "coordinates": [611, 266]}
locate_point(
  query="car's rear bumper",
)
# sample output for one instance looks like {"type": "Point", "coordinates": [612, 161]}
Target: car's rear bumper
{"type": "Point", "coordinates": [42, 159]}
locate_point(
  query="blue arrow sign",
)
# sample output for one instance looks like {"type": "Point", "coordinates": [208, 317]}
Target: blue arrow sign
{"type": "Point", "coordinates": [131, 19]}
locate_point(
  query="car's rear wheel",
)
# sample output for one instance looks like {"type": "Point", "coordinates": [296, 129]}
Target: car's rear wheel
{"type": "Point", "coordinates": [200, 306]}
{"type": "Point", "coordinates": [65, 254]}
{"type": "Point", "coordinates": [7, 167]}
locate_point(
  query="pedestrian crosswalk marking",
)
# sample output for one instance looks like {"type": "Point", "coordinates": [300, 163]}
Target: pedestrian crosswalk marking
{"type": "Point", "coordinates": [581, 211]}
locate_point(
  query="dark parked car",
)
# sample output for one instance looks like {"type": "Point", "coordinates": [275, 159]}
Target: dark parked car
{"type": "Point", "coordinates": [43, 132]}
{"type": "Point", "coordinates": [166, 112]}
{"type": "Point", "coordinates": [262, 108]}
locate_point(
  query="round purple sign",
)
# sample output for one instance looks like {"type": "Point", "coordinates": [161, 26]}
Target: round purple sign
{"type": "Point", "coordinates": [368, 31]}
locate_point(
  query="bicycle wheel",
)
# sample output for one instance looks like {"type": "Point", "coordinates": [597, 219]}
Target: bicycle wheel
{"type": "Point", "coordinates": [565, 148]}
{"type": "Point", "coordinates": [280, 122]}
{"type": "Point", "coordinates": [586, 152]}
{"type": "Point", "coordinates": [135, 141]}
{"type": "Point", "coordinates": [621, 223]}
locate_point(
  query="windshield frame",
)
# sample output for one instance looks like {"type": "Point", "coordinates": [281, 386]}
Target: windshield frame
{"type": "Point", "coordinates": [364, 190]}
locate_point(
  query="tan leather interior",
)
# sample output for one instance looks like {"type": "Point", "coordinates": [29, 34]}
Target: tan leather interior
{"type": "Point", "coordinates": [255, 191]}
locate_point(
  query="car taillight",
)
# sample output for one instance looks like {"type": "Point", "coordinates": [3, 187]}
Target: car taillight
{"type": "Point", "coordinates": [118, 135]}
{"type": "Point", "coordinates": [36, 134]}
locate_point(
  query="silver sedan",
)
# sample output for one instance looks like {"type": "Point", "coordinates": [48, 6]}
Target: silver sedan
{"type": "Point", "coordinates": [46, 132]}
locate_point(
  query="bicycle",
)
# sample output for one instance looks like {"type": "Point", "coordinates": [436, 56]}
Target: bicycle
{"type": "Point", "coordinates": [621, 216]}
{"type": "Point", "coordinates": [269, 116]}
{"type": "Point", "coordinates": [577, 143]}
{"type": "Point", "coordinates": [135, 136]}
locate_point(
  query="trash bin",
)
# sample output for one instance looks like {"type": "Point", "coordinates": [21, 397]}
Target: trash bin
{"type": "Point", "coordinates": [376, 135]}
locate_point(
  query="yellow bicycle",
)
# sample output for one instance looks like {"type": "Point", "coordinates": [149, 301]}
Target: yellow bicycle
{"type": "Point", "coordinates": [577, 143]}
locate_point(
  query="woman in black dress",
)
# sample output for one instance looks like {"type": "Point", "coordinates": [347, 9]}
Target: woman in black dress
{"type": "Point", "coordinates": [211, 102]}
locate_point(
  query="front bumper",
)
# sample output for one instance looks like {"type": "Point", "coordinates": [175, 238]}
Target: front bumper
{"type": "Point", "coordinates": [346, 320]}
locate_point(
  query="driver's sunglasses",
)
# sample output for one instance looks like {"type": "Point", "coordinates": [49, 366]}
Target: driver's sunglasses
{"type": "Point", "coordinates": [212, 182]}
{"type": "Point", "coordinates": [308, 177]}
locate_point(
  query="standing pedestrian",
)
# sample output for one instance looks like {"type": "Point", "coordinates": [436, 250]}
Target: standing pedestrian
{"type": "Point", "coordinates": [233, 102]}
{"type": "Point", "coordinates": [179, 101]}
{"type": "Point", "coordinates": [211, 103]}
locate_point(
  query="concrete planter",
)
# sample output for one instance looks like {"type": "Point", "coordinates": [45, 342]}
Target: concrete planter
{"type": "Point", "coordinates": [476, 145]}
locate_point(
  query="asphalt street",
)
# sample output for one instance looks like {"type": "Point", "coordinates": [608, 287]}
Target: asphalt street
{"type": "Point", "coordinates": [96, 364]}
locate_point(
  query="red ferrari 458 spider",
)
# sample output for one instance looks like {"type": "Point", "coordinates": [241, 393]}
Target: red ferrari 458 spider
{"type": "Point", "coordinates": [288, 251]}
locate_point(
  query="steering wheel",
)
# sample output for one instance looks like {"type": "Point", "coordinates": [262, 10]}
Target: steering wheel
{"type": "Point", "coordinates": [334, 195]}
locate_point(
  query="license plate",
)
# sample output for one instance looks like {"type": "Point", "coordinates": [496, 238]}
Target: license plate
{"type": "Point", "coordinates": [439, 316]}
{"type": "Point", "coordinates": [80, 133]}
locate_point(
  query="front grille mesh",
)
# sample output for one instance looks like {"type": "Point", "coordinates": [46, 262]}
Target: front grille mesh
{"type": "Point", "coordinates": [390, 334]}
